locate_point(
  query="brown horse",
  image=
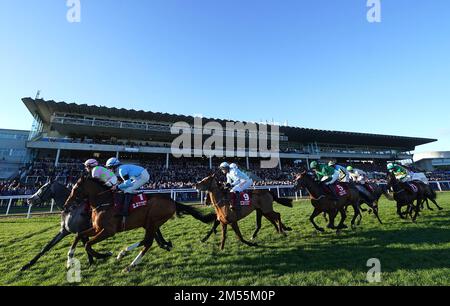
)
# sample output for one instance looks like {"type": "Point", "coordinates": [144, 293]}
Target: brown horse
{"type": "Point", "coordinates": [106, 224]}
{"type": "Point", "coordinates": [262, 202]}
{"type": "Point", "coordinates": [324, 203]}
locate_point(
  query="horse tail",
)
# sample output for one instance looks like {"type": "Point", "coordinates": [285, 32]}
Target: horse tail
{"type": "Point", "coordinates": [283, 201]}
{"type": "Point", "coordinates": [181, 208]}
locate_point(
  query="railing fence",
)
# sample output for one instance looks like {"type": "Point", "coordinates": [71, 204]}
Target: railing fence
{"type": "Point", "coordinates": [18, 205]}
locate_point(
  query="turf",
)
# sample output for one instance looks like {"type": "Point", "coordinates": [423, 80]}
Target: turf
{"type": "Point", "coordinates": [410, 253]}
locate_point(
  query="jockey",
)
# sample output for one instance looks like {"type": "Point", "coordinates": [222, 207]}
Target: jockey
{"type": "Point", "coordinates": [361, 180]}
{"type": "Point", "coordinates": [100, 173]}
{"type": "Point", "coordinates": [401, 174]}
{"type": "Point", "coordinates": [134, 177]}
{"type": "Point", "coordinates": [344, 176]}
{"type": "Point", "coordinates": [325, 174]}
{"type": "Point", "coordinates": [237, 181]}
{"type": "Point", "coordinates": [358, 176]}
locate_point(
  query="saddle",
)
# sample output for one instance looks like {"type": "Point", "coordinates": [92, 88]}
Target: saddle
{"type": "Point", "coordinates": [139, 200]}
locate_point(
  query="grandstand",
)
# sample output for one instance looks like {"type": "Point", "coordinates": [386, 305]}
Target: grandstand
{"type": "Point", "coordinates": [64, 134]}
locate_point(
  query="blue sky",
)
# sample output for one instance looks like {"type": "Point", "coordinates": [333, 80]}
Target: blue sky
{"type": "Point", "coordinates": [313, 63]}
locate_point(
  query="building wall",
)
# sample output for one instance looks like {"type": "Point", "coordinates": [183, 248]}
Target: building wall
{"type": "Point", "coordinates": [13, 152]}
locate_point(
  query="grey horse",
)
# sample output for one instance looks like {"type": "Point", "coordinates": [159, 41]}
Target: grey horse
{"type": "Point", "coordinates": [73, 221]}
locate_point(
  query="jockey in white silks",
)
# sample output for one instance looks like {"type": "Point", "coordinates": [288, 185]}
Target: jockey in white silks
{"type": "Point", "coordinates": [237, 181]}
{"type": "Point", "coordinates": [360, 178]}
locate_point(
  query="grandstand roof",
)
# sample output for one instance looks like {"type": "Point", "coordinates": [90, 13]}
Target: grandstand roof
{"type": "Point", "coordinates": [44, 109]}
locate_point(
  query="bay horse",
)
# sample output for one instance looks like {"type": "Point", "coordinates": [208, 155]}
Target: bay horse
{"type": "Point", "coordinates": [404, 197]}
{"type": "Point", "coordinates": [324, 203]}
{"type": "Point", "coordinates": [74, 220]}
{"type": "Point", "coordinates": [261, 201]}
{"type": "Point", "coordinates": [259, 216]}
{"type": "Point", "coordinates": [158, 210]}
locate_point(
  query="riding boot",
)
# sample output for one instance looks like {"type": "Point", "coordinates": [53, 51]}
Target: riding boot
{"type": "Point", "coordinates": [237, 204]}
{"type": "Point", "coordinates": [126, 205]}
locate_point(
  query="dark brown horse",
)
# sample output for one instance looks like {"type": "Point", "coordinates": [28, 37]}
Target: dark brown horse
{"type": "Point", "coordinates": [262, 202]}
{"type": "Point", "coordinates": [325, 203]}
{"type": "Point", "coordinates": [106, 224]}
{"type": "Point", "coordinates": [404, 196]}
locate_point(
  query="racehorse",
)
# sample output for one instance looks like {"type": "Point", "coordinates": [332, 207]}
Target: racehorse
{"type": "Point", "coordinates": [261, 201]}
{"type": "Point", "coordinates": [375, 191]}
{"type": "Point", "coordinates": [156, 212]}
{"type": "Point", "coordinates": [73, 221]}
{"type": "Point", "coordinates": [404, 197]}
{"type": "Point", "coordinates": [259, 216]}
{"type": "Point", "coordinates": [324, 203]}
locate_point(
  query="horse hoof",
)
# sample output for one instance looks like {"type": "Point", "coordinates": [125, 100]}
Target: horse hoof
{"type": "Point", "coordinates": [127, 269]}
{"type": "Point", "coordinates": [121, 255]}
{"type": "Point", "coordinates": [288, 229]}
{"type": "Point", "coordinates": [321, 230]}
{"type": "Point", "coordinates": [24, 268]}
{"type": "Point", "coordinates": [440, 208]}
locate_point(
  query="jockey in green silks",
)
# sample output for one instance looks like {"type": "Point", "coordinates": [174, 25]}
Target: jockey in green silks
{"type": "Point", "coordinates": [326, 175]}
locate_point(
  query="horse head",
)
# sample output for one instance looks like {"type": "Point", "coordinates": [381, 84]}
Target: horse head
{"type": "Point", "coordinates": [43, 195]}
{"type": "Point", "coordinates": [209, 183]}
{"type": "Point", "coordinates": [302, 178]}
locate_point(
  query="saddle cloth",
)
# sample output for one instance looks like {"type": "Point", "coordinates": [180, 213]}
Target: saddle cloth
{"type": "Point", "coordinates": [139, 200]}
{"type": "Point", "coordinates": [245, 198]}
{"type": "Point", "coordinates": [339, 188]}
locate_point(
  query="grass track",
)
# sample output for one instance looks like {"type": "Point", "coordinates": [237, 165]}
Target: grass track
{"type": "Point", "coordinates": [410, 254]}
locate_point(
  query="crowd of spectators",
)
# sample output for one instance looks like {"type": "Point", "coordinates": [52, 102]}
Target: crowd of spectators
{"type": "Point", "coordinates": [181, 174]}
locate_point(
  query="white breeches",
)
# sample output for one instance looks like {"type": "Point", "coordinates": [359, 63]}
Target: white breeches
{"type": "Point", "coordinates": [242, 186]}
{"type": "Point", "coordinates": [138, 182]}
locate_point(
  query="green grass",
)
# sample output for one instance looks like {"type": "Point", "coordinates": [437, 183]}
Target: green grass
{"type": "Point", "coordinates": [410, 254]}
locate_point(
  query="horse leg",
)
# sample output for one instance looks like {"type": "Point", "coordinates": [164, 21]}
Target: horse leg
{"type": "Point", "coordinates": [325, 216]}
{"type": "Point", "coordinates": [428, 204]}
{"type": "Point", "coordinates": [399, 211]}
{"type": "Point", "coordinates": [315, 213]}
{"type": "Point", "coordinates": [211, 231]}
{"type": "Point", "coordinates": [355, 215]}
{"type": "Point", "coordinates": [275, 218]}
{"type": "Point", "coordinates": [72, 251]}
{"type": "Point", "coordinates": [84, 240]}
{"type": "Point", "coordinates": [417, 209]}
{"type": "Point", "coordinates": [162, 243]}
{"type": "Point", "coordinates": [148, 241]}
{"type": "Point", "coordinates": [259, 215]}
{"type": "Point", "coordinates": [333, 213]}
{"type": "Point", "coordinates": [236, 229]}
{"type": "Point", "coordinates": [63, 233]}
{"type": "Point", "coordinates": [102, 235]}
{"type": "Point", "coordinates": [435, 203]}
{"type": "Point", "coordinates": [128, 249]}
{"type": "Point", "coordinates": [224, 236]}
{"type": "Point", "coordinates": [341, 224]}
{"type": "Point", "coordinates": [374, 207]}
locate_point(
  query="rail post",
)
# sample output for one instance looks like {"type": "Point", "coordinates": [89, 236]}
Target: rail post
{"type": "Point", "coordinates": [9, 206]}
{"type": "Point", "coordinates": [439, 186]}
{"type": "Point", "coordinates": [51, 206]}
{"type": "Point", "coordinates": [278, 191]}
{"type": "Point", "coordinates": [29, 212]}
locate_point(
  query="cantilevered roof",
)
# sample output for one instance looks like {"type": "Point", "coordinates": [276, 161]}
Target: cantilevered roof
{"type": "Point", "coordinates": [44, 109]}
